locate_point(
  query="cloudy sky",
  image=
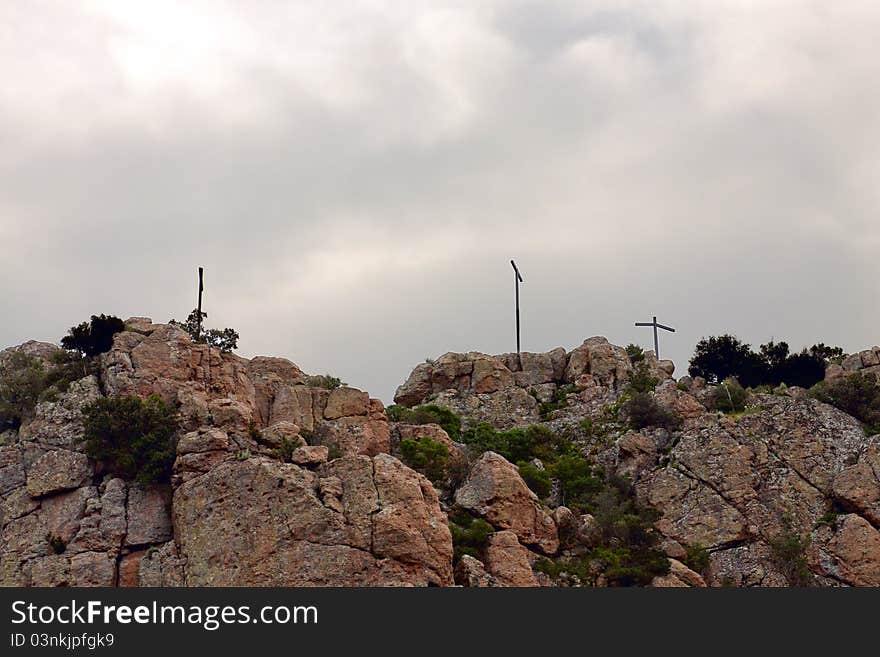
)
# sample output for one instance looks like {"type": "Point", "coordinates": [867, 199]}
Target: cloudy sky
{"type": "Point", "coordinates": [355, 176]}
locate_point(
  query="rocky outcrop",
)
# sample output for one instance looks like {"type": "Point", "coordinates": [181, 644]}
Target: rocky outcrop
{"type": "Point", "coordinates": [277, 482]}
{"type": "Point", "coordinates": [342, 512]}
{"type": "Point", "coordinates": [507, 390]}
{"type": "Point", "coordinates": [262, 523]}
{"type": "Point", "coordinates": [865, 362]}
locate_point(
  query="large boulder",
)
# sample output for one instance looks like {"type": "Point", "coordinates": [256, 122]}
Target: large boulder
{"type": "Point", "coordinates": [495, 491]}
{"type": "Point", "coordinates": [263, 523]}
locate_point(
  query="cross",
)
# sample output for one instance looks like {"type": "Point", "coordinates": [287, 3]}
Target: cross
{"type": "Point", "coordinates": [517, 281]}
{"type": "Point", "coordinates": [199, 307]}
{"type": "Point", "coordinates": [656, 326]}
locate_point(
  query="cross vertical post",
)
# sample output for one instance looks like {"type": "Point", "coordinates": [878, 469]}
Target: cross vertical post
{"type": "Point", "coordinates": [655, 325]}
{"type": "Point", "coordinates": [517, 280]}
{"type": "Point", "coordinates": [199, 307]}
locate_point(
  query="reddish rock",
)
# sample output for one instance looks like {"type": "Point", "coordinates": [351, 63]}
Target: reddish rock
{"type": "Point", "coordinates": [508, 561]}
{"type": "Point", "coordinates": [495, 491]}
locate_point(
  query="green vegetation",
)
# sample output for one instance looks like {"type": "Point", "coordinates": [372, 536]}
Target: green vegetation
{"type": "Point", "coordinates": [93, 337]}
{"type": "Point", "coordinates": [284, 452]}
{"type": "Point", "coordinates": [469, 535]}
{"type": "Point", "coordinates": [536, 478]}
{"type": "Point", "coordinates": [697, 558]}
{"type": "Point", "coordinates": [560, 400]}
{"type": "Point", "coordinates": [22, 381]}
{"type": "Point", "coordinates": [720, 357]}
{"type": "Point", "coordinates": [642, 411]}
{"type": "Point", "coordinates": [427, 456]}
{"type": "Point", "coordinates": [856, 394]}
{"type": "Point", "coordinates": [428, 414]}
{"type": "Point", "coordinates": [133, 438]}
{"type": "Point", "coordinates": [728, 397]}
{"type": "Point", "coordinates": [25, 381]}
{"type": "Point", "coordinates": [224, 339]}
{"type": "Point", "coordinates": [641, 379]}
{"type": "Point", "coordinates": [325, 381]}
{"type": "Point", "coordinates": [628, 537]}
{"type": "Point", "coordinates": [518, 444]}
{"type": "Point", "coordinates": [788, 551]}
{"type": "Point", "coordinates": [635, 352]}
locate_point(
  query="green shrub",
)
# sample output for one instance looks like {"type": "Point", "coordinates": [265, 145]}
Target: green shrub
{"type": "Point", "coordinates": [856, 394]}
{"type": "Point", "coordinates": [642, 411]}
{"type": "Point", "coordinates": [635, 352]}
{"type": "Point", "coordinates": [560, 400]}
{"type": "Point", "coordinates": [133, 438]}
{"type": "Point", "coordinates": [697, 558]}
{"type": "Point", "coordinates": [427, 456]}
{"type": "Point", "coordinates": [788, 551]}
{"type": "Point", "coordinates": [325, 381]}
{"type": "Point", "coordinates": [641, 379]}
{"type": "Point", "coordinates": [93, 337]}
{"type": "Point", "coordinates": [284, 452]}
{"type": "Point", "coordinates": [578, 480]}
{"type": "Point", "coordinates": [516, 445]}
{"type": "Point", "coordinates": [427, 414]}
{"type": "Point", "coordinates": [22, 381]}
{"type": "Point", "coordinates": [720, 357]}
{"type": "Point", "coordinates": [536, 478]}
{"type": "Point", "coordinates": [728, 397]}
{"type": "Point", "coordinates": [225, 339]}
{"type": "Point", "coordinates": [469, 535]}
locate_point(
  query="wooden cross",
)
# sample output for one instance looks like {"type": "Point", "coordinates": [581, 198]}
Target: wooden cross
{"type": "Point", "coordinates": [656, 326]}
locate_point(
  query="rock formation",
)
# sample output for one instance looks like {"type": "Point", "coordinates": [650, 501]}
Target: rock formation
{"type": "Point", "coordinates": [280, 482]}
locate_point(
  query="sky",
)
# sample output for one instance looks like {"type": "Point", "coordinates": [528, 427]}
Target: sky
{"type": "Point", "coordinates": [356, 176]}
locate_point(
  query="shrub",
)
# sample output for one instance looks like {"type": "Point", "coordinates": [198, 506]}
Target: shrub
{"type": "Point", "coordinates": [722, 357]}
{"type": "Point", "coordinates": [718, 358]}
{"type": "Point", "coordinates": [93, 337]}
{"type": "Point", "coordinates": [636, 353]}
{"type": "Point", "coordinates": [284, 452]}
{"type": "Point", "coordinates": [469, 535]}
{"type": "Point", "coordinates": [641, 379]}
{"type": "Point", "coordinates": [427, 456]}
{"type": "Point", "coordinates": [133, 438]}
{"type": "Point", "coordinates": [856, 394]}
{"type": "Point", "coordinates": [325, 381]}
{"type": "Point", "coordinates": [516, 445]}
{"type": "Point", "coordinates": [697, 558]}
{"type": "Point", "coordinates": [225, 340]}
{"type": "Point", "coordinates": [536, 478]}
{"type": "Point", "coordinates": [642, 411]}
{"type": "Point", "coordinates": [428, 414]}
{"type": "Point", "coordinates": [788, 551]}
{"type": "Point", "coordinates": [728, 397]}
{"type": "Point", "coordinates": [560, 400]}
{"type": "Point", "coordinates": [22, 380]}
{"type": "Point", "coordinates": [578, 480]}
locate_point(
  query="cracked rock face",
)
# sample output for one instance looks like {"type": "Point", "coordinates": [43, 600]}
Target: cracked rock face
{"type": "Point", "coordinates": [264, 523]}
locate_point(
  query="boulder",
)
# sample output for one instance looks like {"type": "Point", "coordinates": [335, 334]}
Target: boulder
{"type": "Point", "coordinates": [56, 471]}
{"type": "Point", "coordinates": [495, 491]}
{"type": "Point", "coordinates": [259, 522]}
{"type": "Point", "coordinates": [508, 561]}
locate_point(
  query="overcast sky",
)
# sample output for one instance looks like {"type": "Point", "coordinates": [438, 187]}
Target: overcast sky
{"type": "Point", "coordinates": [355, 176]}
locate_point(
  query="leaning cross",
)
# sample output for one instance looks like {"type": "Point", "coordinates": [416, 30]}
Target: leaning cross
{"type": "Point", "coordinates": [656, 326]}
{"type": "Point", "coordinates": [199, 306]}
{"type": "Point", "coordinates": [517, 281]}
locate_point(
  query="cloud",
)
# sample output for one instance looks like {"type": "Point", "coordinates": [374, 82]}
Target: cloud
{"type": "Point", "coordinates": [356, 176]}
